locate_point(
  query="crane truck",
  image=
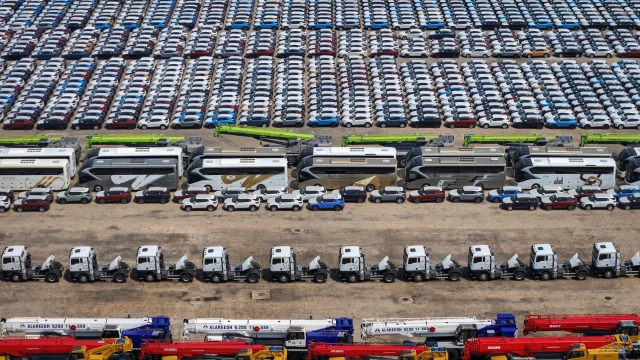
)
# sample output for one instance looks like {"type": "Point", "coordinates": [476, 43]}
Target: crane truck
{"type": "Point", "coordinates": [241, 350]}
{"type": "Point", "coordinates": [596, 324]}
{"type": "Point", "coordinates": [284, 268]}
{"type": "Point", "coordinates": [84, 268]}
{"type": "Point", "coordinates": [418, 267]}
{"type": "Point", "coordinates": [544, 265]}
{"type": "Point", "coordinates": [136, 329]}
{"type": "Point", "coordinates": [123, 347]}
{"type": "Point", "coordinates": [216, 267]}
{"type": "Point", "coordinates": [353, 268]}
{"type": "Point", "coordinates": [322, 351]}
{"type": "Point", "coordinates": [608, 347]}
{"type": "Point", "coordinates": [483, 265]}
{"type": "Point", "coordinates": [607, 262]}
{"type": "Point", "coordinates": [17, 266]}
{"type": "Point", "coordinates": [533, 139]}
{"type": "Point", "coordinates": [295, 334]}
{"type": "Point", "coordinates": [17, 347]}
{"type": "Point", "coordinates": [150, 266]}
{"type": "Point", "coordinates": [449, 332]}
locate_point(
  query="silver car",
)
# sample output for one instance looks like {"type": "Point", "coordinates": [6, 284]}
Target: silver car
{"type": "Point", "coordinates": [388, 193]}
{"type": "Point", "coordinates": [467, 193]}
{"type": "Point", "coordinates": [230, 192]}
{"type": "Point", "coordinates": [310, 192]}
{"type": "Point", "coordinates": [242, 202]}
{"type": "Point", "coordinates": [200, 202]}
{"type": "Point", "coordinates": [286, 202]}
{"type": "Point", "coordinates": [270, 192]}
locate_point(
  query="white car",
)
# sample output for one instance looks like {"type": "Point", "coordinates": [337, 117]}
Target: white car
{"type": "Point", "coordinates": [479, 52]}
{"type": "Point", "coordinates": [595, 121]}
{"type": "Point", "coordinates": [415, 53]}
{"type": "Point", "coordinates": [358, 120]}
{"type": "Point", "coordinates": [631, 121]}
{"type": "Point", "coordinates": [242, 202]}
{"type": "Point", "coordinates": [5, 203]}
{"type": "Point", "coordinates": [599, 52]}
{"type": "Point", "coordinates": [598, 201]}
{"type": "Point", "coordinates": [286, 201]}
{"type": "Point", "coordinates": [154, 122]}
{"type": "Point", "coordinates": [411, 33]}
{"type": "Point", "coordinates": [270, 192]}
{"type": "Point", "coordinates": [310, 192]}
{"type": "Point", "coordinates": [546, 190]}
{"type": "Point", "coordinates": [200, 202]}
{"type": "Point", "coordinates": [495, 120]}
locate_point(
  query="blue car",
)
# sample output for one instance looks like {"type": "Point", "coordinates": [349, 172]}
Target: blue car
{"type": "Point", "coordinates": [377, 26]}
{"type": "Point", "coordinates": [316, 26]}
{"type": "Point", "coordinates": [501, 193]}
{"type": "Point", "coordinates": [324, 120]}
{"type": "Point", "coordinates": [562, 123]}
{"type": "Point", "coordinates": [267, 25]}
{"type": "Point", "coordinates": [326, 202]}
{"type": "Point", "coordinates": [432, 25]}
{"type": "Point", "coordinates": [214, 120]}
{"type": "Point", "coordinates": [623, 191]}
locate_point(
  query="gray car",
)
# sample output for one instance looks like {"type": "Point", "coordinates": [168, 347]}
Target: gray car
{"type": "Point", "coordinates": [77, 194]}
{"type": "Point", "coordinates": [467, 193]}
{"type": "Point", "coordinates": [285, 202]}
{"type": "Point", "coordinates": [289, 120]}
{"type": "Point", "coordinates": [388, 193]}
{"type": "Point", "coordinates": [229, 192]}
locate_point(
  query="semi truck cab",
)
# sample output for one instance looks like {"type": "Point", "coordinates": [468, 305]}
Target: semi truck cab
{"type": "Point", "coordinates": [217, 268]}
{"type": "Point", "coordinates": [608, 263]}
{"type": "Point", "coordinates": [17, 266]}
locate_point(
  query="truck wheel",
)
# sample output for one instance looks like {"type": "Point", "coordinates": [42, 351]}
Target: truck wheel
{"type": "Point", "coordinates": [418, 278]}
{"type": "Point", "coordinates": [519, 276]}
{"type": "Point", "coordinates": [483, 277]}
{"type": "Point", "coordinates": [320, 278]}
{"type": "Point", "coordinates": [216, 279]}
{"type": "Point", "coordinates": [51, 278]}
{"type": "Point", "coordinates": [252, 278]}
{"type": "Point", "coordinates": [352, 278]}
{"type": "Point", "coordinates": [119, 279]}
{"type": "Point", "coordinates": [582, 275]}
{"type": "Point", "coordinates": [454, 276]}
{"type": "Point", "coordinates": [83, 279]}
{"type": "Point", "coordinates": [283, 279]}
{"type": "Point", "coordinates": [185, 278]}
{"type": "Point", "coordinates": [15, 278]}
{"type": "Point", "coordinates": [388, 278]}
{"type": "Point", "coordinates": [149, 278]}
{"type": "Point", "coordinates": [545, 276]}
{"type": "Point", "coordinates": [453, 354]}
{"type": "Point", "coordinates": [608, 274]}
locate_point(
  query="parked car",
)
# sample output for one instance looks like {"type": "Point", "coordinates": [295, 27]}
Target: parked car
{"type": "Point", "coordinates": [467, 193]}
{"type": "Point", "coordinates": [326, 201]}
{"type": "Point", "coordinates": [559, 201]}
{"type": "Point", "coordinates": [200, 202]}
{"type": "Point", "coordinates": [8, 193]}
{"type": "Point", "coordinates": [546, 190]}
{"type": "Point", "coordinates": [598, 201]}
{"type": "Point", "coordinates": [114, 195]}
{"type": "Point", "coordinates": [427, 193]}
{"type": "Point", "coordinates": [153, 194]}
{"type": "Point", "coordinates": [242, 202]}
{"type": "Point", "coordinates": [310, 192]}
{"type": "Point", "coordinates": [285, 201]}
{"type": "Point", "coordinates": [37, 191]}
{"type": "Point", "coordinates": [388, 193]}
{"type": "Point", "coordinates": [585, 191]}
{"type": "Point", "coordinates": [520, 201]}
{"type": "Point", "coordinates": [352, 194]}
{"type": "Point", "coordinates": [497, 195]}
{"type": "Point", "coordinates": [630, 202]}
{"type": "Point", "coordinates": [5, 204]}
{"type": "Point", "coordinates": [189, 192]}
{"type": "Point", "coordinates": [269, 192]}
{"type": "Point", "coordinates": [623, 190]}
{"type": "Point", "coordinates": [40, 203]}
{"type": "Point", "coordinates": [229, 192]}
{"type": "Point", "coordinates": [77, 194]}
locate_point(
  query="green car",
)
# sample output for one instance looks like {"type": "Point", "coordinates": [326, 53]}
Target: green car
{"type": "Point", "coordinates": [77, 194]}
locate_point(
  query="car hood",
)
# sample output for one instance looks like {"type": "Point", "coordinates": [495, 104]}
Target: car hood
{"type": "Point", "coordinates": [18, 202]}
{"type": "Point", "coordinates": [453, 192]}
{"type": "Point", "coordinates": [139, 193]}
{"type": "Point", "coordinates": [507, 200]}
{"type": "Point", "coordinates": [414, 193]}
{"type": "Point", "coordinates": [375, 193]}
{"type": "Point", "coordinates": [313, 201]}
{"type": "Point", "coordinates": [22, 194]}
{"type": "Point", "coordinates": [186, 201]}
{"type": "Point", "coordinates": [228, 201]}
{"type": "Point", "coordinates": [493, 192]}
{"type": "Point", "coordinates": [100, 193]}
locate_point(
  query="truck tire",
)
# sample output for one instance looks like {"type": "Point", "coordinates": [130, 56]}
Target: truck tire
{"type": "Point", "coordinates": [518, 276]}
{"type": "Point", "coordinates": [453, 354]}
{"type": "Point", "coordinates": [15, 278]}
{"type": "Point", "coordinates": [83, 279]}
{"type": "Point", "coordinates": [352, 278]}
{"type": "Point", "coordinates": [545, 276]}
{"type": "Point", "coordinates": [388, 278]}
{"type": "Point", "coordinates": [454, 276]}
{"type": "Point", "coordinates": [119, 279]}
{"type": "Point", "coordinates": [607, 274]}
{"type": "Point", "coordinates": [283, 279]}
{"type": "Point", "coordinates": [320, 278]}
{"type": "Point", "coordinates": [418, 278]}
{"type": "Point", "coordinates": [252, 278]}
{"type": "Point", "coordinates": [216, 279]}
{"type": "Point", "coordinates": [51, 278]}
{"type": "Point", "coordinates": [149, 278]}
{"type": "Point", "coordinates": [483, 276]}
{"type": "Point", "coordinates": [186, 278]}
{"type": "Point", "coordinates": [581, 275]}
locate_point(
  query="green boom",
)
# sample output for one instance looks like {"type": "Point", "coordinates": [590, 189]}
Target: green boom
{"type": "Point", "coordinates": [384, 139]}
{"type": "Point", "coordinates": [609, 138]}
{"type": "Point", "coordinates": [130, 139]}
{"type": "Point", "coordinates": [251, 131]}
{"type": "Point", "coordinates": [26, 140]}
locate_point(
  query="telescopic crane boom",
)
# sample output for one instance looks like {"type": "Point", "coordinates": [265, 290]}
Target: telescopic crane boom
{"type": "Point", "coordinates": [323, 351]}
{"type": "Point", "coordinates": [25, 347]}
{"type": "Point", "coordinates": [123, 346]}
{"type": "Point", "coordinates": [168, 349]}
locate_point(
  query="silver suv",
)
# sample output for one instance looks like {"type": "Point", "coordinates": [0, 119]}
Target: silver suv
{"type": "Point", "coordinates": [467, 193]}
{"type": "Point", "coordinates": [285, 201]}
{"type": "Point", "coordinates": [242, 202]}
{"type": "Point", "coordinates": [200, 202]}
{"type": "Point", "coordinates": [229, 192]}
{"type": "Point", "coordinates": [388, 193]}
{"type": "Point", "coordinates": [598, 201]}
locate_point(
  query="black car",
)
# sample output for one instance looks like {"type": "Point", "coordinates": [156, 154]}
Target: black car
{"type": "Point", "coordinates": [441, 34]}
{"type": "Point", "coordinates": [529, 122]}
{"type": "Point", "coordinates": [153, 194]}
{"type": "Point", "coordinates": [53, 123]}
{"type": "Point", "coordinates": [8, 193]}
{"type": "Point", "coordinates": [446, 53]}
{"type": "Point", "coordinates": [87, 122]}
{"type": "Point", "coordinates": [520, 202]}
{"type": "Point", "coordinates": [568, 52]}
{"type": "Point", "coordinates": [353, 194]}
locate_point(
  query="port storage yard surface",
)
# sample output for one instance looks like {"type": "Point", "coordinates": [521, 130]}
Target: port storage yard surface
{"type": "Point", "coordinates": [380, 229]}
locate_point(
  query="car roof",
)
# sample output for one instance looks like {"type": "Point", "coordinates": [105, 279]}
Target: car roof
{"type": "Point", "coordinates": [471, 188]}
{"type": "Point", "coordinates": [235, 188]}
{"type": "Point", "coordinates": [118, 189]}
{"type": "Point", "coordinates": [82, 189]}
{"type": "Point", "coordinates": [393, 188]}
{"type": "Point", "coordinates": [512, 188]}
{"type": "Point", "coordinates": [351, 187]}
{"type": "Point", "coordinates": [314, 188]}
{"type": "Point", "coordinates": [552, 187]}
{"type": "Point", "coordinates": [36, 197]}
{"type": "Point", "coordinates": [157, 188]}
{"type": "Point", "coordinates": [247, 196]}
{"type": "Point", "coordinates": [205, 196]}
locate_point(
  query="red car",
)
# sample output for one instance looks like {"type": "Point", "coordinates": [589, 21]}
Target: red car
{"type": "Point", "coordinates": [427, 193]}
{"type": "Point", "coordinates": [190, 192]}
{"type": "Point", "coordinates": [128, 123]}
{"type": "Point", "coordinates": [629, 53]}
{"type": "Point", "coordinates": [585, 191]}
{"type": "Point", "coordinates": [460, 121]}
{"type": "Point", "coordinates": [114, 195]}
{"type": "Point", "coordinates": [32, 202]}
{"type": "Point", "coordinates": [19, 123]}
{"type": "Point", "coordinates": [559, 201]}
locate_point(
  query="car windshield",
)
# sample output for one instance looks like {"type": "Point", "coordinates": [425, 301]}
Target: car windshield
{"type": "Point", "coordinates": [500, 191]}
{"type": "Point", "coordinates": [279, 199]}
{"type": "Point", "coordinates": [592, 198]}
{"type": "Point", "coordinates": [320, 199]}
{"type": "Point", "coordinates": [382, 192]}
{"type": "Point", "coordinates": [553, 198]}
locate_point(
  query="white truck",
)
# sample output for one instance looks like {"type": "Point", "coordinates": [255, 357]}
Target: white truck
{"type": "Point", "coordinates": [291, 333]}
{"type": "Point", "coordinates": [483, 265]}
{"type": "Point", "coordinates": [449, 332]}
{"type": "Point", "coordinates": [216, 267]}
{"type": "Point", "coordinates": [84, 268]}
{"type": "Point", "coordinates": [544, 265]}
{"type": "Point", "coordinates": [607, 262]}
{"type": "Point", "coordinates": [352, 267]}
{"type": "Point", "coordinates": [284, 268]}
{"type": "Point", "coordinates": [418, 267]}
{"type": "Point", "coordinates": [150, 266]}
{"type": "Point", "coordinates": [17, 266]}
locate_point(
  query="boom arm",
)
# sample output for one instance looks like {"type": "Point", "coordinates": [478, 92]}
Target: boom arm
{"type": "Point", "coordinates": [258, 132]}
{"type": "Point", "coordinates": [103, 352]}
{"type": "Point", "coordinates": [26, 347]}
{"type": "Point", "coordinates": [357, 351]}
{"type": "Point", "coordinates": [585, 324]}
{"type": "Point", "coordinates": [606, 138]}
{"type": "Point", "coordinates": [193, 349]}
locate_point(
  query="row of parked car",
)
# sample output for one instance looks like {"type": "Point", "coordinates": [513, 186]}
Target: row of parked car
{"type": "Point", "coordinates": [323, 92]}
{"type": "Point", "coordinates": [194, 93]}
{"type": "Point", "coordinates": [289, 107]}
{"type": "Point", "coordinates": [171, 42]}
{"type": "Point", "coordinates": [257, 96]}
{"type": "Point", "coordinates": [162, 95]}
{"type": "Point", "coordinates": [127, 104]}
{"type": "Point", "coordinates": [356, 92]}
{"type": "Point", "coordinates": [12, 81]}
{"type": "Point", "coordinates": [225, 99]}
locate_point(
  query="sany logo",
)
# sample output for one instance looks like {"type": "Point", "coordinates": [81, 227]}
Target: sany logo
{"type": "Point", "coordinates": [493, 347]}
{"type": "Point", "coordinates": [554, 326]}
{"type": "Point", "coordinates": [171, 349]}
